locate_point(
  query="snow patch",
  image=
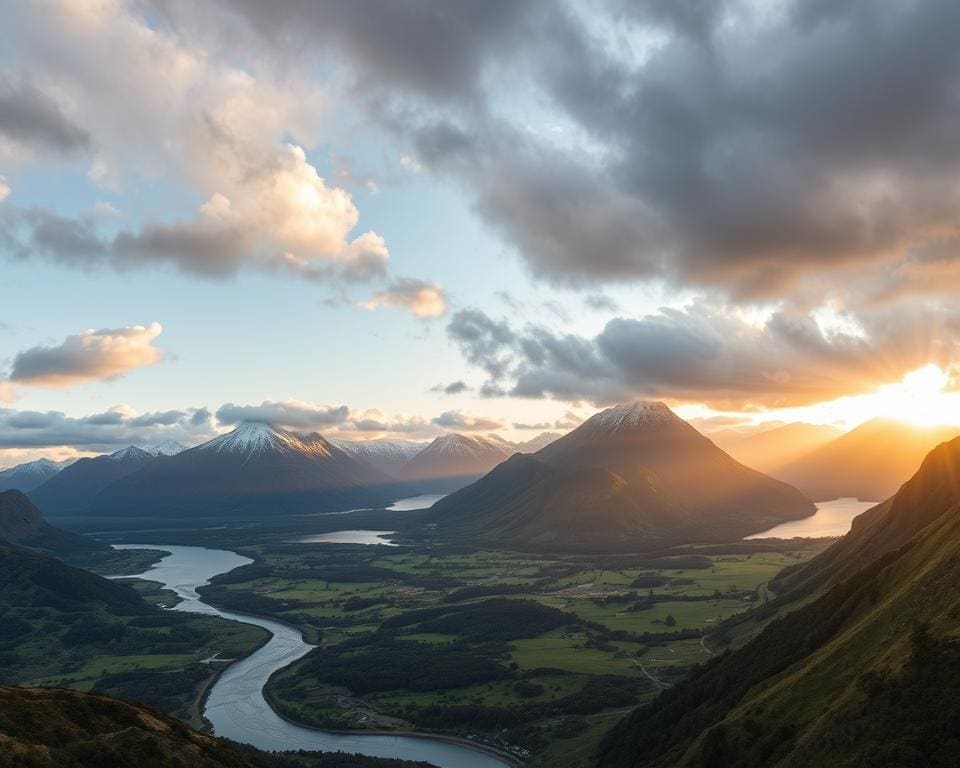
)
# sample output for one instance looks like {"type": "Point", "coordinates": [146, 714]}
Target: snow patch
{"type": "Point", "coordinates": [630, 415]}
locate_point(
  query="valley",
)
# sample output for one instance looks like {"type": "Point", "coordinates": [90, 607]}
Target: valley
{"type": "Point", "coordinates": [553, 650]}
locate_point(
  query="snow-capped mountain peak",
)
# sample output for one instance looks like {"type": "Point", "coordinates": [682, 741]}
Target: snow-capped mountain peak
{"type": "Point", "coordinates": [254, 437]}
{"type": "Point", "coordinates": [128, 453]}
{"type": "Point", "coordinates": [630, 415]}
{"type": "Point", "coordinates": [168, 448]}
{"type": "Point", "coordinates": [382, 447]}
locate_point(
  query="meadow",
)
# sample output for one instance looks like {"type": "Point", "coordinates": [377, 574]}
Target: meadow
{"type": "Point", "coordinates": [540, 655]}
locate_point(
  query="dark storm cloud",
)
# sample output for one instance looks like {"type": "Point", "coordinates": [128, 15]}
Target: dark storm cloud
{"type": "Point", "coordinates": [481, 339]}
{"type": "Point", "coordinates": [31, 118]}
{"type": "Point", "coordinates": [739, 145]}
{"type": "Point", "coordinates": [104, 431]}
{"type": "Point", "coordinates": [437, 49]}
{"type": "Point", "coordinates": [713, 355]}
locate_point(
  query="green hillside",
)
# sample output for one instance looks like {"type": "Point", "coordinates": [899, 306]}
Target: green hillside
{"type": "Point", "coordinates": [64, 626]}
{"type": "Point", "coordinates": [57, 728]}
{"type": "Point", "coordinates": [868, 673]}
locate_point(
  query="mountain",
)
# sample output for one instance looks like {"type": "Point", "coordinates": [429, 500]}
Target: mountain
{"type": "Point", "coordinates": [534, 444]}
{"type": "Point", "coordinates": [870, 462]}
{"type": "Point", "coordinates": [864, 670]}
{"type": "Point", "coordinates": [168, 448]}
{"type": "Point", "coordinates": [26, 477]}
{"type": "Point", "coordinates": [21, 523]}
{"type": "Point", "coordinates": [47, 728]}
{"type": "Point", "coordinates": [74, 488]}
{"type": "Point", "coordinates": [931, 492]}
{"type": "Point", "coordinates": [60, 728]}
{"type": "Point", "coordinates": [257, 469]}
{"type": "Point", "coordinates": [631, 476]}
{"type": "Point", "coordinates": [389, 456]}
{"type": "Point", "coordinates": [769, 450]}
{"type": "Point", "coordinates": [453, 460]}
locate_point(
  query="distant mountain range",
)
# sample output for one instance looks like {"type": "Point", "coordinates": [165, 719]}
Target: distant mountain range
{"type": "Point", "coordinates": [33, 474]}
{"type": "Point", "coordinates": [256, 469]}
{"type": "Point", "coordinates": [860, 667]}
{"type": "Point", "coordinates": [451, 461]}
{"type": "Point", "coordinates": [74, 488]}
{"type": "Point", "coordinates": [769, 450]}
{"type": "Point", "coordinates": [631, 476]}
{"type": "Point", "coordinates": [870, 462]}
{"type": "Point", "coordinates": [387, 455]}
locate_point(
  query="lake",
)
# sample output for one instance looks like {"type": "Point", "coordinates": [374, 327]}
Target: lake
{"type": "Point", "coordinates": [832, 518]}
{"type": "Point", "coordinates": [349, 537]}
{"type": "Point", "coordinates": [236, 706]}
{"type": "Point", "coordinates": [411, 503]}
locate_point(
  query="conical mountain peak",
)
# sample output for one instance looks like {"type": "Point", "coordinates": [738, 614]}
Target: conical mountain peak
{"type": "Point", "coordinates": [631, 415]}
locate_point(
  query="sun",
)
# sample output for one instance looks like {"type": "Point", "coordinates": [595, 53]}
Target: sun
{"type": "Point", "coordinates": [922, 397]}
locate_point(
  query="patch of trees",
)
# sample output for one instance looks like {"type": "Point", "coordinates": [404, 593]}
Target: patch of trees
{"type": "Point", "coordinates": [486, 590]}
{"type": "Point", "coordinates": [499, 619]}
{"type": "Point", "coordinates": [491, 620]}
{"type": "Point", "coordinates": [162, 689]}
{"type": "Point", "coordinates": [597, 695]}
{"type": "Point", "coordinates": [388, 664]}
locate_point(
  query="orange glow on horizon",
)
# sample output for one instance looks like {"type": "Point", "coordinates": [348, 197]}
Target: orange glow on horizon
{"type": "Point", "coordinates": [924, 397]}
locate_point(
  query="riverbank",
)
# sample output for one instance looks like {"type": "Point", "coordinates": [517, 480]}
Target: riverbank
{"type": "Point", "coordinates": [235, 705]}
{"type": "Point", "coordinates": [486, 749]}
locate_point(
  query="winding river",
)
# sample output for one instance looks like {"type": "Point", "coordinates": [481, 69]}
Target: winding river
{"type": "Point", "coordinates": [236, 706]}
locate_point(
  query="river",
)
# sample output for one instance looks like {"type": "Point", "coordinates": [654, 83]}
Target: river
{"type": "Point", "coordinates": [236, 707]}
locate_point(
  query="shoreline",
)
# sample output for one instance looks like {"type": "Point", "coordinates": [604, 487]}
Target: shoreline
{"type": "Point", "coordinates": [510, 759]}
{"type": "Point", "coordinates": [502, 755]}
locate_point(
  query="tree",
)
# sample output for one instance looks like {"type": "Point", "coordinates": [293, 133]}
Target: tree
{"type": "Point", "coordinates": [670, 621]}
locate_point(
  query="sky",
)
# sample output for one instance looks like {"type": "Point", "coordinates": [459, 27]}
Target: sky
{"type": "Point", "coordinates": [387, 219]}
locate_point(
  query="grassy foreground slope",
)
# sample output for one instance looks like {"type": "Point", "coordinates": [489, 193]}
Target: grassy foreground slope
{"type": "Point", "coordinates": [866, 674]}
{"type": "Point", "coordinates": [57, 728]}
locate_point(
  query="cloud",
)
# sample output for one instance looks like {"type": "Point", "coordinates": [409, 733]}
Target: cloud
{"type": "Point", "coordinates": [569, 420]}
{"type": "Point", "coordinates": [421, 298]}
{"type": "Point", "coordinates": [710, 354]}
{"type": "Point", "coordinates": [4, 189]}
{"type": "Point", "coordinates": [540, 425]}
{"type": "Point", "coordinates": [375, 420]}
{"type": "Point", "coordinates": [453, 388]}
{"type": "Point", "coordinates": [600, 303]}
{"type": "Point", "coordinates": [294, 414]}
{"type": "Point", "coordinates": [340, 421]}
{"type": "Point", "coordinates": [226, 126]}
{"type": "Point", "coordinates": [698, 152]}
{"type": "Point", "coordinates": [467, 422]}
{"type": "Point", "coordinates": [411, 163]}
{"type": "Point", "coordinates": [88, 356]}
{"type": "Point", "coordinates": [107, 431]}
{"type": "Point", "coordinates": [31, 119]}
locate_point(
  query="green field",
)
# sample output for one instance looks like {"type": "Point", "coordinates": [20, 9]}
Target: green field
{"type": "Point", "coordinates": [538, 655]}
